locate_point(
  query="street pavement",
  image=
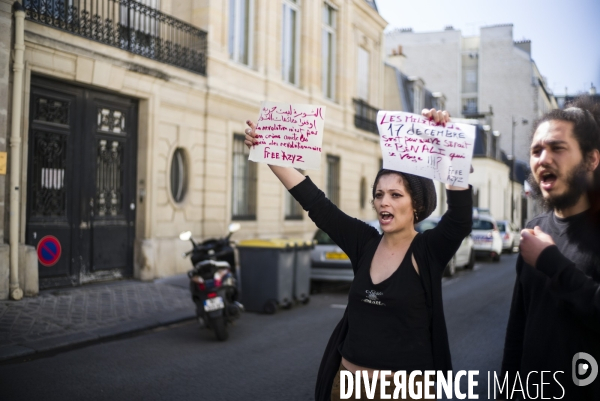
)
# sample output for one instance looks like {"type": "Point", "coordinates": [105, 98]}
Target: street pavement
{"type": "Point", "coordinates": [267, 357]}
{"type": "Point", "coordinates": [75, 316]}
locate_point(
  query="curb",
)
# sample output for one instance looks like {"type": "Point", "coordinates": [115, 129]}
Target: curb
{"type": "Point", "coordinates": [64, 342]}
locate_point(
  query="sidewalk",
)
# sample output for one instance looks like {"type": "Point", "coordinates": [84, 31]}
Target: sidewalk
{"type": "Point", "coordinates": [65, 317]}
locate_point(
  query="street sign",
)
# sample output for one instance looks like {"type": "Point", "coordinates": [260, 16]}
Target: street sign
{"type": "Point", "coordinates": [48, 250]}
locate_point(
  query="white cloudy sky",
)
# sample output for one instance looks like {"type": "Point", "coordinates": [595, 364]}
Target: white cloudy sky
{"type": "Point", "coordinates": [564, 34]}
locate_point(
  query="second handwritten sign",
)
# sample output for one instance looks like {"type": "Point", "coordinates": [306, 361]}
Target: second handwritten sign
{"type": "Point", "coordinates": [413, 144]}
{"type": "Point", "coordinates": [289, 135]}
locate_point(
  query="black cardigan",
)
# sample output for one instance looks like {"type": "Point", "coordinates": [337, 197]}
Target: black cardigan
{"type": "Point", "coordinates": [432, 251]}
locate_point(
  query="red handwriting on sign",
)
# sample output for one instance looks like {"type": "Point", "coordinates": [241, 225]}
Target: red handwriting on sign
{"type": "Point", "coordinates": [289, 133]}
{"type": "Point", "coordinates": [455, 156]}
{"type": "Point", "coordinates": [434, 141]}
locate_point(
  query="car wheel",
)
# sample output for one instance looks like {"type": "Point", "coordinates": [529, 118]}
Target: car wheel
{"type": "Point", "coordinates": [471, 263]}
{"type": "Point", "coordinates": [450, 267]}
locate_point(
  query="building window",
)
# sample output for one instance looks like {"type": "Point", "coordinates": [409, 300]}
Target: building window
{"type": "Point", "coordinates": [469, 106]}
{"type": "Point", "coordinates": [439, 102]}
{"type": "Point", "coordinates": [333, 179]}
{"type": "Point", "coordinates": [416, 93]}
{"type": "Point", "coordinates": [141, 23]}
{"type": "Point", "coordinates": [470, 65]}
{"type": "Point", "coordinates": [290, 42]}
{"type": "Point", "coordinates": [293, 210]}
{"type": "Point", "coordinates": [363, 74]}
{"type": "Point", "coordinates": [178, 181]}
{"type": "Point", "coordinates": [239, 30]}
{"type": "Point", "coordinates": [244, 182]}
{"type": "Point", "coordinates": [328, 51]}
{"type": "Point", "coordinates": [363, 192]}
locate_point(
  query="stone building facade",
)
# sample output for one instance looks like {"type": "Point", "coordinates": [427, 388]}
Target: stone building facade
{"type": "Point", "coordinates": [131, 122]}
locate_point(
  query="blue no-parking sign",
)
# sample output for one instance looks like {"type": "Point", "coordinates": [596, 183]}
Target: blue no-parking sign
{"type": "Point", "coordinates": [48, 250]}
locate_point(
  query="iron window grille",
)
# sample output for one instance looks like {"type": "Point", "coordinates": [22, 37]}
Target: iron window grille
{"type": "Point", "coordinates": [365, 116]}
{"type": "Point", "coordinates": [128, 25]}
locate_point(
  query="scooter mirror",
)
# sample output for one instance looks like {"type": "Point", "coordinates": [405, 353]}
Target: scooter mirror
{"type": "Point", "coordinates": [233, 227]}
{"type": "Point", "coordinates": [185, 236]}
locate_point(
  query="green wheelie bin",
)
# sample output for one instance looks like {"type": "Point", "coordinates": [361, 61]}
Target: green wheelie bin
{"type": "Point", "coordinates": [266, 274]}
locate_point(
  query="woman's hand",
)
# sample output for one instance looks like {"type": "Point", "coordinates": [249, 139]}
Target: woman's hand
{"type": "Point", "coordinates": [439, 116]}
{"type": "Point", "coordinates": [250, 139]}
{"type": "Point", "coordinates": [289, 177]}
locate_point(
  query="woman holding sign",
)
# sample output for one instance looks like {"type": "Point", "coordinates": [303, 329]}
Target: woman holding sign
{"type": "Point", "coordinates": [394, 321]}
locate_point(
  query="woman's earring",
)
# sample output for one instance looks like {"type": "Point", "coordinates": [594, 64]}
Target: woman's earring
{"type": "Point", "coordinates": [416, 218]}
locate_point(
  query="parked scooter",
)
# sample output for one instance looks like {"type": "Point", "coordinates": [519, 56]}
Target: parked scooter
{"type": "Point", "coordinates": [213, 282]}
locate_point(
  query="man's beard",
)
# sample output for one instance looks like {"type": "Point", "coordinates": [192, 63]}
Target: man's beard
{"type": "Point", "coordinates": [577, 185]}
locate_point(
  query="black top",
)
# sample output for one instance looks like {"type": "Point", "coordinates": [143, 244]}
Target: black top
{"type": "Point", "coordinates": [392, 318]}
{"type": "Point", "coordinates": [555, 310]}
{"type": "Point", "coordinates": [432, 251]}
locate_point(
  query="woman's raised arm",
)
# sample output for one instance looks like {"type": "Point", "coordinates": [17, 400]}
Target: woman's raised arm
{"type": "Point", "coordinates": [289, 177]}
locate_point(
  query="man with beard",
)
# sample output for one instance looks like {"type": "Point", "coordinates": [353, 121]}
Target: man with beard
{"type": "Point", "coordinates": [555, 311]}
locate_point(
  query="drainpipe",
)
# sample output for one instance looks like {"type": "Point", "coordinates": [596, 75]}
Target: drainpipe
{"type": "Point", "coordinates": [15, 150]}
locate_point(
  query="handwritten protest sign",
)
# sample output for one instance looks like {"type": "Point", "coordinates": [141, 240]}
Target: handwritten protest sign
{"type": "Point", "coordinates": [289, 135]}
{"type": "Point", "coordinates": [413, 144]}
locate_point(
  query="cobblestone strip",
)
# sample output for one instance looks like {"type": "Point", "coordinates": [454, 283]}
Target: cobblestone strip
{"type": "Point", "coordinates": [56, 313]}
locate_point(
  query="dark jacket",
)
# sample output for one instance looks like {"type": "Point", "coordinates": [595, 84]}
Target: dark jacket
{"type": "Point", "coordinates": [432, 251]}
{"type": "Point", "coordinates": [555, 311]}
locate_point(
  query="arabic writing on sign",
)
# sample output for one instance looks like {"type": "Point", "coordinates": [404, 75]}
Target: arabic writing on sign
{"type": "Point", "coordinates": [413, 144]}
{"type": "Point", "coordinates": [289, 135]}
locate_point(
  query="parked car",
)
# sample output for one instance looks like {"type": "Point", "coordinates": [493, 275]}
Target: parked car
{"type": "Point", "coordinates": [486, 237]}
{"type": "Point", "coordinates": [464, 256]}
{"type": "Point", "coordinates": [328, 261]}
{"type": "Point", "coordinates": [510, 234]}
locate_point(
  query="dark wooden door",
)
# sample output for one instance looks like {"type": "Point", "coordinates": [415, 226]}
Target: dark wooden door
{"type": "Point", "coordinates": [110, 186]}
{"type": "Point", "coordinates": [81, 182]}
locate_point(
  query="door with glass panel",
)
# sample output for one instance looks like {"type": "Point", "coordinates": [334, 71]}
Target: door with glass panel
{"type": "Point", "coordinates": [81, 183]}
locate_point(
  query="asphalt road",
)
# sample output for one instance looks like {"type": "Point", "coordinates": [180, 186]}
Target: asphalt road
{"type": "Point", "coordinates": [266, 357]}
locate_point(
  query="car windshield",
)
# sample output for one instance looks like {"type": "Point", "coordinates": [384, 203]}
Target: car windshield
{"type": "Point", "coordinates": [323, 239]}
{"type": "Point", "coordinates": [425, 225]}
{"type": "Point", "coordinates": [482, 225]}
{"type": "Point", "coordinates": [501, 227]}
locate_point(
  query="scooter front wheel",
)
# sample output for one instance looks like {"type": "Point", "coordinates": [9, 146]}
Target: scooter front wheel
{"type": "Point", "coordinates": [219, 325]}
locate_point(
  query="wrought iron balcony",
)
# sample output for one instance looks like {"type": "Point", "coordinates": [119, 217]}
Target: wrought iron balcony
{"type": "Point", "coordinates": [365, 116]}
{"type": "Point", "coordinates": [128, 25]}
